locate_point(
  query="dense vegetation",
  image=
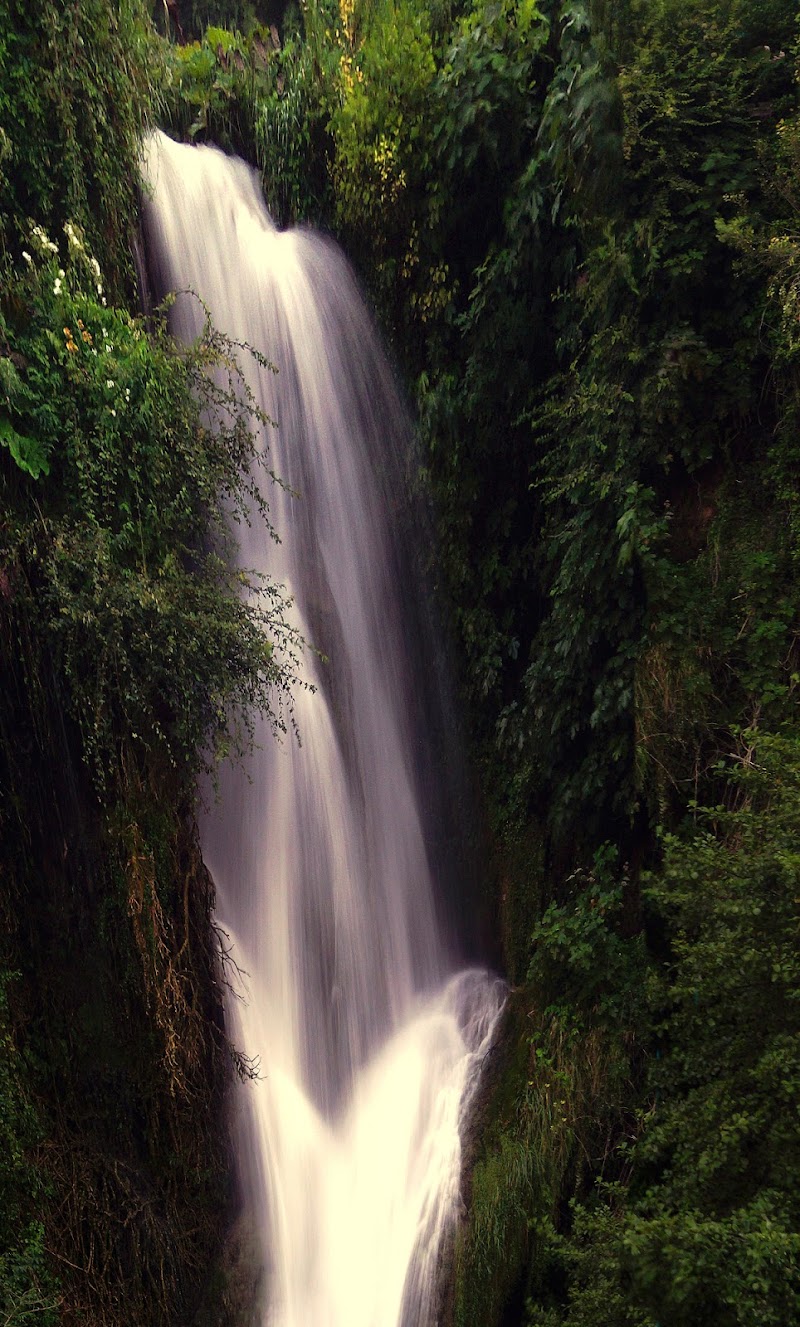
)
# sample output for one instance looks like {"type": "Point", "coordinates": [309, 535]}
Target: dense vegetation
{"type": "Point", "coordinates": [125, 644]}
{"type": "Point", "coordinates": [578, 223]}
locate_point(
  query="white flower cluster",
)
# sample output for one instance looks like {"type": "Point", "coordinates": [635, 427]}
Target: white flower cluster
{"type": "Point", "coordinates": [95, 266]}
{"type": "Point", "coordinates": [46, 247]}
{"type": "Point", "coordinates": [41, 241]}
{"type": "Point", "coordinates": [76, 245]}
{"type": "Point", "coordinates": [74, 238]}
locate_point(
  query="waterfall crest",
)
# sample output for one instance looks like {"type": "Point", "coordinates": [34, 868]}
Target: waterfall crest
{"type": "Point", "coordinates": [369, 1043]}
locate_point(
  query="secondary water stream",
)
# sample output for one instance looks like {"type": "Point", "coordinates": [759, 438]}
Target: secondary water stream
{"type": "Point", "coordinates": [369, 1039]}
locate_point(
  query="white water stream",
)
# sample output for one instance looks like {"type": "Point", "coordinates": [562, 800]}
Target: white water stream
{"type": "Point", "coordinates": [369, 1042]}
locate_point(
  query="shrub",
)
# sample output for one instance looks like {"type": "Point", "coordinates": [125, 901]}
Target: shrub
{"type": "Point", "coordinates": [126, 456]}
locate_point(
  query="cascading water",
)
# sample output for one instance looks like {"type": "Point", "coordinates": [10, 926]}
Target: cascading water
{"type": "Point", "coordinates": [369, 1045]}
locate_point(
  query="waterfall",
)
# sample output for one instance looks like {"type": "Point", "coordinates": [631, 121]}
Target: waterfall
{"type": "Point", "coordinates": [324, 849]}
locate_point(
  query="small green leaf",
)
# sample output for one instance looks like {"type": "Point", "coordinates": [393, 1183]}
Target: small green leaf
{"type": "Point", "coordinates": [27, 452]}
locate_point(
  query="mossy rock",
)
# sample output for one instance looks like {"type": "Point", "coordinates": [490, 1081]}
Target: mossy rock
{"type": "Point", "coordinates": [502, 1189]}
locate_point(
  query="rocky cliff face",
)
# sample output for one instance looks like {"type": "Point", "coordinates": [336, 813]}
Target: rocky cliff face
{"type": "Point", "coordinates": [113, 1025]}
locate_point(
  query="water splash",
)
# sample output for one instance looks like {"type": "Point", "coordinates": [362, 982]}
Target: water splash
{"type": "Point", "coordinates": [370, 1045]}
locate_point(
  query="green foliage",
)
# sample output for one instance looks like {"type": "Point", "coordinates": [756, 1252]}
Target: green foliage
{"type": "Point", "coordinates": [590, 1259]}
{"type": "Point", "coordinates": [580, 949]}
{"type": "Point", "coordinates": [27, 1290]}
{"type": "Point", "coordinates": [705, 1227]}
{"type": "Point", "coordinates": [490, 1258]}
{"type": "Point", "coordinates": [482, 232]}
{"type": "Point", "coordinates": [722, 645]}
{"type": "Point", "coordinates": [567, 1105]}
{"type": "Point", "coordinates": [208, 87]}
{"type": "Point", "coordinates": [123, 561]}
{"type": "Point", "coordinates": [504, 1178]}
{"type": "Point", "coordinates": [292, 125]}
{"type": "Point", "coordinates": [632, 416]}
{"type": "Point", "coordinates": [27, 452]}
{"type": "Point", "coordinates": [386, 68]}
{"type": "Point", "coordinates": [75, 98]}
{"type": "Point", "coordinates": [261, 98]}
{"type": "Point", "coordinates": [563, 1112]}
{"type": "Point", "coordinates": [729, 895]}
